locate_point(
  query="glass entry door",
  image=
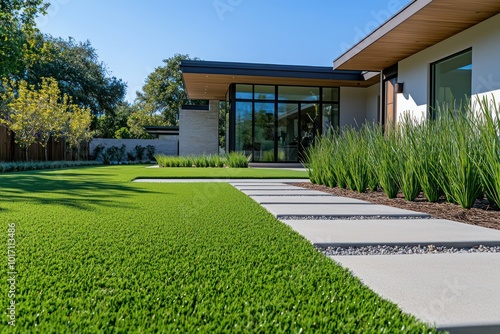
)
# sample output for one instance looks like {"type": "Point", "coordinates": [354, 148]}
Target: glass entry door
{"type": "Point", "coordinates": [288, 131]}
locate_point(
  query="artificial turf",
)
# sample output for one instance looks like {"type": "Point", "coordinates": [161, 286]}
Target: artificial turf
{"type": "Point", "coordinates": [96, 253]}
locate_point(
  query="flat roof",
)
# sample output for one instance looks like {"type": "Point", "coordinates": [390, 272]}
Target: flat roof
{"type": "Point", "coordinates": [418, 26]}
{"type": "Point", "coordinates": [210, 80]}
{"type": "Point", "coordinates": [162, 130]}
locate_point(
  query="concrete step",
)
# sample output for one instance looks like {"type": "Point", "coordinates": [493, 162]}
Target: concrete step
{"type": "Point", "coordinates": [339, 210]}
{"type": "Point", "coordinates": [410, 232]}
{"type": "Point", "coordinates": [455, 292]}
{"type": "Point", "coordinates": [307, 200]}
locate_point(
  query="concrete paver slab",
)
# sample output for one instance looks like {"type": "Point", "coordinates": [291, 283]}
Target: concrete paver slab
{"type": "Point", "coordinates": [307, 200]}
{"type": "Point", "coordinates": [451, 291]}
{"type": "Point", "coordinates": [344, 233]}
{"type": "Point", "coordinates": [273, 187]}
{"type": "Point", "coordinates": [195, 180]}
{"type": "Point", "coordinates": [339, 210]}
{"type": "Point", "coordinates": [297, 192]}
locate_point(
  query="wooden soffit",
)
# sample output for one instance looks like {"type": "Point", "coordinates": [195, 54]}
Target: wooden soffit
{"type": "Point", "coordinates": [421, 24]}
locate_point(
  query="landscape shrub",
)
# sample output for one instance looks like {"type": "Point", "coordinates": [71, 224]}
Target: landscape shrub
{"type": "Point", "coordinates": [7, 167]}
{"type": "Point", "coordinates": [139, 152]}
{"type": "Point", "coordinates": [232, 160]}
{"type": "Point", "coordinates": [150, 152]}
{"type": "Point", "coordinates": [96, 154]}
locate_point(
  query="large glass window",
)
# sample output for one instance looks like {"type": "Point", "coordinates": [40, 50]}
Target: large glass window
{"type": "Point", "coordinates": [452, 81]}
{"type": "Point", "coordinates": [264, 92]}
{"type": "Point", "coordinates": [298, 93]}
{"type": "Point", "coordinates": [244, 92]}
{"type": "Point", "coordinates": [280, 127]}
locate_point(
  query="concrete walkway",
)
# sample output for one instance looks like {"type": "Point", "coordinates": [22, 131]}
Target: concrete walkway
{"type": "Point", "coordinates": [456, 292]}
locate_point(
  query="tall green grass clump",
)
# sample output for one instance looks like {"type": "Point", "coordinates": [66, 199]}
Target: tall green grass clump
{"type": "Point", "coordinates": [408, 158]}
{"type": "Point", "coordinates": [427, 146]}
{"type": "Point", "coordinates": [459, 175]}
{"type": "Point", "coordinates": [489, 164]}
{"type": "Point", "coordinates": [355, 157]}
{"type": "Point", "coordinates": [236, 160]}
{"type": "Point", "coordinates": [386, 158]}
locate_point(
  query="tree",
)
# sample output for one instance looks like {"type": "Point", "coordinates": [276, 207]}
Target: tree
{"type": "Point", "coordinates": [17, 33]}
{"type": "Point", "coordinates": [80, 73]}
{"type": "Point", "coordinates": [77, 127]}
{"type": "Point", "coordinates": [108, 125]}
{"type": "Point", "coordinates": [163, 92]}
{"type": "Point", "coordinates": [52, 108]}
{"type": "Point", "coordinates": [21, 113]}
{"type": "Point", "coordinates": [142, 118]}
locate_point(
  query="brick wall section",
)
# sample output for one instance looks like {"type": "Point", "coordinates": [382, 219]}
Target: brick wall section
{"type": "Point", "coordinates": [199, 131]}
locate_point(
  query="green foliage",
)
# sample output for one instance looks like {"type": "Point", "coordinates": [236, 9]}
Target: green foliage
{"type": "Point", "coordinates": [139, 152]}
{"type": "Point", "coordinates": [107, 255]}
{"type": "Point", "coordinates": [232, 160]}
{"type": "Point", "coordinates": [6, 167]}
{"type": "Point", "coordinates": [408, 159]}
{"type": "Point", "coordinates": [163, 93]}
{"type": "Point", "coordinates": [18, 33]}
{"type": "Point", "coordinates": [489, 163]}
{"type": "Point", "coordinates": [150, 152]}
{"type": "Point", "coordinates": [457, 154]}
{"type": "Point", "coordinates": [86, 79]}
{"type": "Point", "coordinates": [236, 160]}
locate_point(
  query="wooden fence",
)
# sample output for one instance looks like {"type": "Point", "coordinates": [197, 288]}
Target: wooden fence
{"type": "Point", "coordinates": [56, 149]}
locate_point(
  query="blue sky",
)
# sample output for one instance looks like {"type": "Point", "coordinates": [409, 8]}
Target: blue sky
{"type": "Point", "coordinates": [133, 36]}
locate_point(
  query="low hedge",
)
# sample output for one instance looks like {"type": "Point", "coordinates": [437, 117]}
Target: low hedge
{"type": "Point", "coordinates": [6, 167]}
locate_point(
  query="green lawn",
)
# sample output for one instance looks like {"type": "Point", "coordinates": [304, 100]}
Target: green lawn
{"type": "Point", "coordinates": [97, 253]}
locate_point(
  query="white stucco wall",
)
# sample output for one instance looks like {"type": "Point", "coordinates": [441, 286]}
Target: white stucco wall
{"type": "Point", "coordinates": [358, 105]}
{"type": "Point", "coordinates": [414, 71]}
{"type": "Point", "coordinates": [199, 131]}
{"type": "Point", "coordinates": [372, 102]}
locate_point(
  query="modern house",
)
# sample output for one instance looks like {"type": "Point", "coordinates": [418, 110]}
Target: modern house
{"type": "Point", "coordinates": [431, 52]}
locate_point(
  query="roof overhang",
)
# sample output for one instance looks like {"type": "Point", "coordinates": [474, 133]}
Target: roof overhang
{"type": "Point", "coordinates": [418, 26]}
{"type": "Point", "coordinates": [162, 130]}
{"type": "Point", "coordinates": [208, 80]}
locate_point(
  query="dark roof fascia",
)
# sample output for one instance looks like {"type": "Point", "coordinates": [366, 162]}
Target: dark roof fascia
{"type": "Point", "coordinates": [268, 70]}
{"type": "Point", "coordinates": [194, 107]}
{"type": "Point", "coordinates": [168, 128]}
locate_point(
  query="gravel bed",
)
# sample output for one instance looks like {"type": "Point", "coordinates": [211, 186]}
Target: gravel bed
{"type": "Point", "coordinates": [379, 217]}
{"type": "Point", "coordinates": [404, 250]}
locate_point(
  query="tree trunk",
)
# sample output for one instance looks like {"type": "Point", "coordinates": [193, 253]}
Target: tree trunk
{"type": "Point", "coordinates": [46, 150]}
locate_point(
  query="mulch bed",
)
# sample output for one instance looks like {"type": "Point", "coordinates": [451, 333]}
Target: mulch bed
{"type": "Point", "coordinates": [482, 214]}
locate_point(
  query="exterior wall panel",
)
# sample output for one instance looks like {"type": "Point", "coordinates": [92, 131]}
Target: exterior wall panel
{"type": "Point", "coordinates": [414, 71]}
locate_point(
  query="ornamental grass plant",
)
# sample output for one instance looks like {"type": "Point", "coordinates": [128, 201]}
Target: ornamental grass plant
{"type": "Point", "coordinates": [456, 154]}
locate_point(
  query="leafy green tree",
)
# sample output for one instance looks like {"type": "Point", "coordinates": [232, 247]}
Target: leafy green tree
{"type": "Point", "coordinates": [52, 108]}
{"type": "Point", "coordinates": [142, 118]}
{"type": "Point", "coordinates": [21, 113]}
{"type": "Point", "coordinates": [17, 33]}
{"type": "Point", "coordinates": [77, 127]}
{"type": "Point", "coordinates": [108, 125]}
{"type": "Point", "coordinates": [163, 92]}
{"type": "Point", "coordinates": [80, 73]}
